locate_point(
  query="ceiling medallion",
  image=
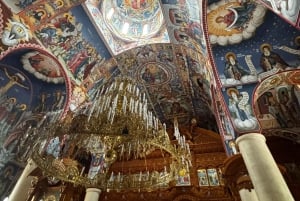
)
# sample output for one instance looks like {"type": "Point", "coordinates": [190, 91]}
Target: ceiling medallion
{"type": "Point", "coordinates": [230, 22]}
{"type": "Point", "coordinates": [138, 4]}
{"type": "Point", "coordinates": [154, 73]}
{"type": "Point", "coordinates": [133, 20]}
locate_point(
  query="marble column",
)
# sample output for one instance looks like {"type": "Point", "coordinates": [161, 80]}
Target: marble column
{"type": "Point", "coordinates": [92, 194]}
{"type": "Point", "coordinates": [20, 191]}
{"type": "Point", "coordinates": [265, 175]}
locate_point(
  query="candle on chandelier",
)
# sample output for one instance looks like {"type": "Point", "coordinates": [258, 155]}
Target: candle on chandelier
{"type": "Point", "coordinates": [119, 176]}
{"type": "Point", "coordinates": [111, 177]}
{"type": "Point", "coordinates": [188, 148]}
{"type": "Point", "coordinates": [42, 121]}
{"type": "Point", "coordinates": [121, 86]}
{"type": "Point", "coordinates": [140, 178]}
{"type": "Point", "coordinates": [82, 170]}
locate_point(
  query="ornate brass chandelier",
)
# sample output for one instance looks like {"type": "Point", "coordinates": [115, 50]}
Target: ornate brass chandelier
{"type": "Point", "coordinates": [115, 126]}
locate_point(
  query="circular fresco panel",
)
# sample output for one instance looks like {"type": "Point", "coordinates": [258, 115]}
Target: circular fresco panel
{"type": "Point", "coordinates": [43, 67]}
{"type": "Point", "coordinates": [132, 20]}
{"type": "Point", "coordinates": [153, 73]}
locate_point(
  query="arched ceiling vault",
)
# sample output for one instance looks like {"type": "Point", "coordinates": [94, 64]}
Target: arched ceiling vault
{"type": "Point", "coordinates": [228, 66]}
{"type": "Point", "coordinates": [161, 44]}
{"type": "Point", "coordinates": [176, 50]}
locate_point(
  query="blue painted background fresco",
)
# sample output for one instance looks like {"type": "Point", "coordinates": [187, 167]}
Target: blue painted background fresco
{"type": "Point", "coordinates": [284, 34]}
{"type": "Point", "coordinates": [89, 32]}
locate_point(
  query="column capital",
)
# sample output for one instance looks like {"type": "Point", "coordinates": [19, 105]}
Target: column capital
{"type": "Point", "coordinates": [24, 182]}
{"type": "Point", "coordinates": [31, 162]}
{"type": "Point", "coordinates": [244, 182]}
{"type": "Point", "coordinates": [251, 136]}
{"type": "Point", "coordinates": [92, 194]}
{"type": "Point", "coordinates": [97, 190]}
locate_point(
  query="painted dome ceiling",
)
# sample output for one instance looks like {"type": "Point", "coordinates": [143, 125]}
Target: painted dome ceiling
{"type": "Point", "coordinates": [162, 44]}
{"type": "Point", "coordinates": [133, 20]}
{"type": "Point", "coordinates": [127, 24]}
